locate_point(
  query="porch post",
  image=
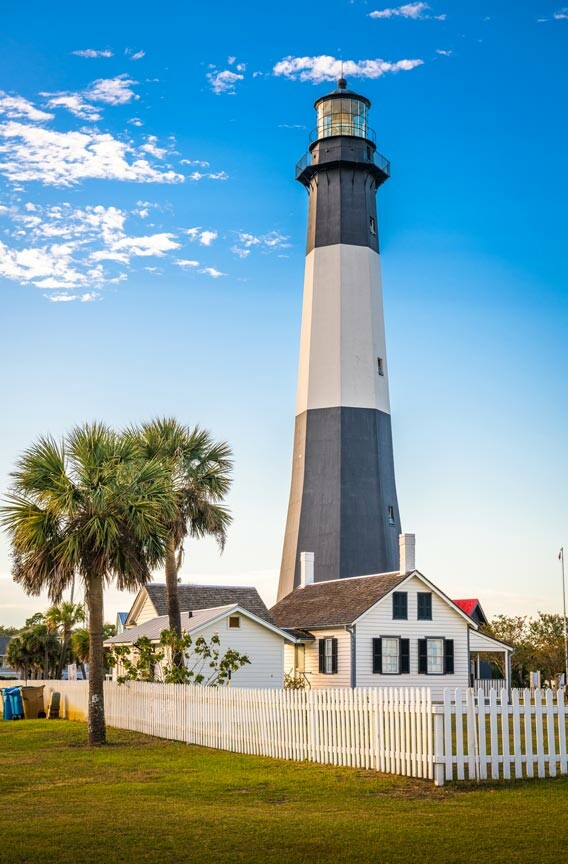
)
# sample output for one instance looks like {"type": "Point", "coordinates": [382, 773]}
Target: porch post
{"type": "Point", "coordinates": [478, 667]}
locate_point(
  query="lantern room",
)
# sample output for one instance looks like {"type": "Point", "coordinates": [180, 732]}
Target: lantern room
{"type": "Point", "coordinates": [342, 112]}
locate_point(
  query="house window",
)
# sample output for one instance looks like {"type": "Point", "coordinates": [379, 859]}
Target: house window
{"type": "Point", "coordinates": [390, 512]}
{"type": "Point", "coordinates": [380, 367]}
{"type": "Point", "coordinates": [234, 622]}
{"type": "Point", "coordinates": [390, 656]}
{"type": "Point", "coordinates": [424, 606]}
{"type": "Point", "coordinates": [400, 606]}
{"type": "Point", "coordinates": [372, 225]}
{"type": "Point", "coordinates": [435, 656]}
{"type": "Point", "coordinates": [300, 658]}
{"type": "Point", "coordinates": [328, 656]}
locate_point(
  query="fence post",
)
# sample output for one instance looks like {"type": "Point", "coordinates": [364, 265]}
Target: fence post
{"type": "Point", "coordinates": [439, 768]}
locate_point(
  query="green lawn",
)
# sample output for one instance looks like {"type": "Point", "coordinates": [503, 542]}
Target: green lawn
{"type": "Point", "coordinates": [145, 800]}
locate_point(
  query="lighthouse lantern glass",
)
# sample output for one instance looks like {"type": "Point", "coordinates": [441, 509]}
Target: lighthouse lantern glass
{"type": "Point", "coordinates": [342, 117]}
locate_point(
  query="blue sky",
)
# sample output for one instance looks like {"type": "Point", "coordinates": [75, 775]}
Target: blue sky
{"type": "Point", "coordinates": [152, 246]}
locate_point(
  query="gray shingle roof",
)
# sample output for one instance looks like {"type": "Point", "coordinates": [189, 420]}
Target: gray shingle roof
{"type": "Point", "coordinates": [333, 604]}
{"type": "Point", "coordinates": [152, 629]}
{"type": "Point", "coordinates": [193, 597]}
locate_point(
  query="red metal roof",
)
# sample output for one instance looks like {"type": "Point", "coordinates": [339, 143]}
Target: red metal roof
{"type": "Point", "coordinates": [467, 606]}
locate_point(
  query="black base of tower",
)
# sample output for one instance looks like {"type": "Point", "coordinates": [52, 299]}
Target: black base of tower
{"type": "Point", "coordinates": [343, 505]}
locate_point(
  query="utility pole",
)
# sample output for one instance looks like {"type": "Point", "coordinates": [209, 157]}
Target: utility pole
{"type": "Point", "coordinates": [561, 556]}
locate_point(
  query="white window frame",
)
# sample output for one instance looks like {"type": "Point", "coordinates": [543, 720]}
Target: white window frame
{"type": "Point", "coordinates": [386, 656]}
{"type": "Point", "coordinates": [442, 659]}
{"type": "Point", "coordinates": [328, 655]}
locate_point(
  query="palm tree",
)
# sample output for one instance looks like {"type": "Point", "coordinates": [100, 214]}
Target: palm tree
{"type": "Point", "coordinates": [34, 651]}
{"type": "Point", "coordinates": [90, 506]}
{"type": "Point", "coordinates": [62, 618]}
{"type": "Point", "coordinates": [80, 647]}
{"type": "Point", "coordinates": [200, 470]}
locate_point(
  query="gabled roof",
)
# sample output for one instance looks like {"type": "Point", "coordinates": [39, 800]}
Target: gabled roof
{"type": "Point", "coordinates": [334, 603]}
{"type": "Point", "coordinates": [190, 623]}
{"type": "Point", "coordinates": [194, 597]}
{"type": "Point", "coordinates": [470, 607]}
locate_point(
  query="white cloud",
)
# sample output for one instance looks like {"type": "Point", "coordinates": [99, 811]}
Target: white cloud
{"type": "Point", "coordinates": [152, 245]}
{"type": "Point", "coordinates": [63, 249]}
{"type": "Point", "coordinates": [209, 175]}
{"type": "Point", "coordinates": [203, 236]}
{"type": "Point", "coordinates": [326, 68]}
{"type": "Point", "coordinates": [75, 104]}
{"type": "Point", "coordinates": [266, 242]}
{"type": "Point", "coordinates": [211, 271]}
{"type": "Point", "coordinates": [224, 81]}
{"type": "Point", "coordinates": [65, 158]}
{"type": "Point", "coordinates": [111, 91]}
{"type": "Point", "coordinates": [186, 263]}
{"type": "Point", "coordinates": [16, 107]}
{"type": "Point", "coordinates": [60, 298]}
{"type": "Point", "coordinates": [136, 121]}
{"type": "Point", "coordinates": [200, 162]}
{"type": "Point", "coordinates": [151, 147]}
{"type": "Point", "coordinates": [408, 10]}
{"type": "Point", "coordinates": [92, 53]}
{"type": "Point", "coordinates": [561, 15]}
{"type": "Point", "coordinates": [444, 52]}
{"type": "Point", "coordinates": [134, 55]}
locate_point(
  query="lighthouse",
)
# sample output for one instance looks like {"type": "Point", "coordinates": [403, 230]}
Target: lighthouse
{"type": "Point", "coordinates": [343, 505]}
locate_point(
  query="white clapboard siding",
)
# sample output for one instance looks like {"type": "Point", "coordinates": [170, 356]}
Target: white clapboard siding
{"type": "Point", "coordinates": [343, 676]}
{"type": "Point", "coordinates": [446, 621]}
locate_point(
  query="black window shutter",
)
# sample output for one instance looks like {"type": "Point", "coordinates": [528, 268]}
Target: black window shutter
{"type": "Point", "coordinates": [334, 656]}
{"type": "Point", "coordinates": [377, 656]}
{"type": "Point", "coordinates": [404, 656]}
{"type": "Point", "coordinates": [400, 606]}
{"type": "Point", "coordinates": [422, 657]}
{"type": "Point", "coordinates": [449, 656]}
{"type": "Point", "coordinates": [322, 655]}
{"type": "Point", "coordinates": [424, 606]}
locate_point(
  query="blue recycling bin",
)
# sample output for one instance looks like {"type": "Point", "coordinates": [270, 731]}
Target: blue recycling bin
{"type": "Point", "coordinates": [13, 704]}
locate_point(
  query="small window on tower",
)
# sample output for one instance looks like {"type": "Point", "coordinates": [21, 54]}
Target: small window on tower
{"type": "Point", "coordinates": [380, 368]}
{"type": "Point", "coordinates": [372, 225]}
{"type": "Point", "coordinates": [391, 514]}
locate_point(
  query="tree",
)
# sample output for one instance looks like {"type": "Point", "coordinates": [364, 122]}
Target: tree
{"type": "Point", "coordinates": [203, 664]}
{"type": "Point", "coordinates": [89, 506]}
{"type": "Point", "coordinates": [80, 645]}
{"type": "Point", "coordinates": [63, 617]}
{"type": "Point", "coordinates": [34, 651]}
{"type": "Point", "coordinates": [200, 470]}
{"type": "Point", "coordinates": [538, 644]}
{"type": "Point", "coordinates": [8, 630]}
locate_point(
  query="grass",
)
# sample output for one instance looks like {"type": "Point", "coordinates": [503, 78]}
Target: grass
{"type": "Point", "coordinates": [143, 799]}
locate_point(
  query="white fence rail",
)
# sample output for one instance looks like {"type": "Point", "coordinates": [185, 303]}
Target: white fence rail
{"type": "Point", "coordinates": [489, 684]}
{"type": "Point", "coordinates": [394, 730]}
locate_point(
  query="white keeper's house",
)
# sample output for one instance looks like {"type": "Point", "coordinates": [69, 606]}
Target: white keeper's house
{"type": "Point", "coordinates": [386, 630]}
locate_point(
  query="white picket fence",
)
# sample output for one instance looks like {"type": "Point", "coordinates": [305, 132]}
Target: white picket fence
{"type": "Point", "coordinates": [498, 737]}
{"type": "Point", "coordinates": [393, 730]}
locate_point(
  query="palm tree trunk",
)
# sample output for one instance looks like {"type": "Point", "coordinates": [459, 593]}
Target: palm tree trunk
{"type": "Point", "coordinates": [64, 643]}
{"type": "Point", "coordinates": [97, 728]}
{"type": "Point", "coordinates": [174, 612]}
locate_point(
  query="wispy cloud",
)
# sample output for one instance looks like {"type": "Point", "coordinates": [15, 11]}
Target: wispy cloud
{"type": "Point", "coordinates": [208, 175]}
{"type": "Point", "coordinates": [64, 249]}
{"type": "Point", "coordinates": [326, 68]}
{"type": "Point", "coordinates": [408, 10]}
{"type": "Point", "coordinates": [203, 236]}
{"type": "Point", "coordinates": [75, 104]}
{"type": "Point", "coordinates": [266, 242]}
{"type": "Point", "coordinates": [93, 53]}
{"type": "Point", "coordinates": [111, 91]}
{"type": "Point", "coordinates": [444, 52]}
{"type": "Point", "coordinates": [225, 80]}
{"type": "Point", "coordinates": [561, 15]}
{"type": "Point", "coordinates": [212, 271]}
{"type": "Point", "coordinates": [186, 263]}
{"type": "Point", "coordinates": [16, 107]}
{"type": "Point", "coordinates": [65, 158]}
{"type": "Point", "coordinates": [134, 55]}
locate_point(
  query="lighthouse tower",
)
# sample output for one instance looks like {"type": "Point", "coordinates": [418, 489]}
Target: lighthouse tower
{"type": "Point", "coordinates": [343, 504]}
